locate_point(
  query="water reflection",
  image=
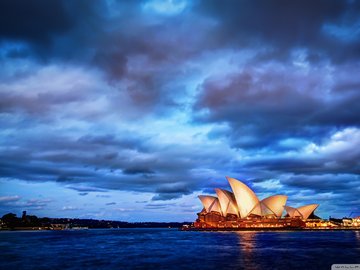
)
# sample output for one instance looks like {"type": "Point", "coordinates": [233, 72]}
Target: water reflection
{"type": "Point", "coordinates": [247, 244]}
{"type": "Point", "coordinates": [357, 234]}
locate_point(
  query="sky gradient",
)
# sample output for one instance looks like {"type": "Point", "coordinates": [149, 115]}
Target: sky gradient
{"type": "Point", "coordinates": [128, 110]}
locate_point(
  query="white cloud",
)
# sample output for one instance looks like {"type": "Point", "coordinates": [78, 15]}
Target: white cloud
{"type": "Point", "coordinates": [70, 208]}
{"type": "Point", "coordinates": [5, 199]}
{"type": "Point", "coordinates": [341, 142]}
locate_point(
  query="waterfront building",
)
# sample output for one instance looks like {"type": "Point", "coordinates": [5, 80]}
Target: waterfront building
{"type": "Point", "coordinates": [241, 208]}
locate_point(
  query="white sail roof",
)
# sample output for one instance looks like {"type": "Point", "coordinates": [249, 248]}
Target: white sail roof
{"type": "Point", "coordinates": [261, 210]}
{"type": "Point", "coordinates": [292, 211]}
{"type": "Point", "coordinates": [307, 210]}
{"type": "Point", "coordinates": [304, 211]}
{"type": "Point", "coordinates": [227, 202]}
{"type": "Point", "coordinates": [245, 198]}
{"type": "Point", "coordinates": [270, 206]}
{"type": "Point", "coordinates": [210, 203]}
{"type": "Point", "coordinates": [275, 203]}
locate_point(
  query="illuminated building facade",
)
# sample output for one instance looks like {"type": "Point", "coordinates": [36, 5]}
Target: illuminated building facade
{"type": "Point", "coordinates": [241, 208]}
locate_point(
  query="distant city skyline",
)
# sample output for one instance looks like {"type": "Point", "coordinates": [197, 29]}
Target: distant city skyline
{"type": "Point", "coordinates": [128, 110]}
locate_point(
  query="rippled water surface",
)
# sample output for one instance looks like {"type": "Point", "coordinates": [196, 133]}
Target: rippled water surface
{"type": "Point", "coordinates": [173, 249]}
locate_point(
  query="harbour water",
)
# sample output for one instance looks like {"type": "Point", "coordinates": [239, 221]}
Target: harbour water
{"type": "Point", "coordinates": [173, 249]}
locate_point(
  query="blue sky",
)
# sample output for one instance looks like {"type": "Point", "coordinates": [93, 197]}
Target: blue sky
{"type": "Point", "coordinates": [128, 110]}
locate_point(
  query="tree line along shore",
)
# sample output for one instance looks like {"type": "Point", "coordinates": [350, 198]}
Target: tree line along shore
{"type": "Point", "coordinates": [31, 222]}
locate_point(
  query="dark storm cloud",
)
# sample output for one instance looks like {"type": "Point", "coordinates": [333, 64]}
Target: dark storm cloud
{"type": "Point", "coordinates": [86, 189]}
{"type": "Point", "coordinates": [35, 20]}
{"type": "Point", "coordinates": [338, 183]}
{"type": "Point", "coordinates": [328, 190]}
{"type": "Point", "coordinates": [285, 25]}
{"type": "Point", "coordinates": [134, 52]}
{"type": "Point", "coordinates": [111, 203]}
{"type": "Point", "coordinates": [108, 35]}
{"type": "Point", "coordinates": [138, 170]}
{"type": "Point", "coordinates": [306, 165]}
{"type": "Point", "coordinates": [84, 165]}
{"type": "Point", "coordinates": [171, 191]}
{"type": "Point", "coordinates": [56, 30]}
{"type": "Point", "coordinates": [133, 142]}
{"type": "Point", "coordinates": [270, 104]}
{"type": "Point", "coordinates": [39, 104]}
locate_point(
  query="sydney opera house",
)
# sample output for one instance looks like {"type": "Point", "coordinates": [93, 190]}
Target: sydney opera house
{"type": "Point", "coordinates": [241, 208]}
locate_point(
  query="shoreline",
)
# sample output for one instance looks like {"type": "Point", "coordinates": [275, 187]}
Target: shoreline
{"type": "Point", "coordinates": [32, 229]}
{"type": "Point", "coordinates": [269, 229]}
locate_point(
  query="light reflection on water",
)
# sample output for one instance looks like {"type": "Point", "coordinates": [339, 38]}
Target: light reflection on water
{"type": "Point", "coordinates": [173, 249]}
{"type": "Point", "coordinates": [357, 233]}
{"type": "Point", "coordinates": [247, 244]}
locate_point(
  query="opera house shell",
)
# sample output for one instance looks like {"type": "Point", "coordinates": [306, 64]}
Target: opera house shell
{"type": "Point", "coordinates": [242, 208]}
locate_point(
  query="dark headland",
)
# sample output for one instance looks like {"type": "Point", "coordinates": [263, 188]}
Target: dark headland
{"type": "Point", "coordinates": [31, 222]}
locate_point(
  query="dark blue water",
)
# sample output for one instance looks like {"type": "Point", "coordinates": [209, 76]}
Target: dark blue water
{"type": "Point", "coordinates": [172, 249]}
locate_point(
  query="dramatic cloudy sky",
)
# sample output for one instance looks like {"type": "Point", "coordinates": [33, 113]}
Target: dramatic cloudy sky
{"type": "Point", "coordinates": [129, 110]}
